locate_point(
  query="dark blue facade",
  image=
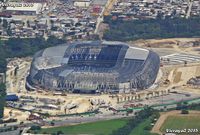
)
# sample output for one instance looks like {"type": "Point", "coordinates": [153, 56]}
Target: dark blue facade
{"type": "Point", "coordinates": [12, 97]}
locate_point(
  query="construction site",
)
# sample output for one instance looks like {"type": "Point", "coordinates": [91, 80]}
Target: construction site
{"type": "Point", "coordinates": [177, 81]}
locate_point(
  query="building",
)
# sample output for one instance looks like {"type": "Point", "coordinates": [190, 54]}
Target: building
{"type": "Point", "coordinates": [93, 67]}
{"type": "Point", "coordinates": [24, 8]}
{"type": "Point", "coordinates": [11, 97]}
{"type": "Point", "coordinates": [82, 3]}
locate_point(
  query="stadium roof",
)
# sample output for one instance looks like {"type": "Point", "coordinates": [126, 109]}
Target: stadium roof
{"type": "Point", "coordinates": [136, 53]}
{"type": "Point", "coordinates": [56, 56]}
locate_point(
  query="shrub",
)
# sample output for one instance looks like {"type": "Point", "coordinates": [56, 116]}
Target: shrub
{"type": "Point", "coordinates": [35, 127]}
{"type": "Point", "coordinates": [184, 112]}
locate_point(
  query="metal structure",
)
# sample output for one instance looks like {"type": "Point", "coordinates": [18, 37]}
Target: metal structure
{"type": "Point", "coordinates": [93, 67]}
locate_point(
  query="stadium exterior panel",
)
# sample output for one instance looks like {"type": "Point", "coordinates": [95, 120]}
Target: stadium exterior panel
{"type": "Point", "coordinates": [93, 66]}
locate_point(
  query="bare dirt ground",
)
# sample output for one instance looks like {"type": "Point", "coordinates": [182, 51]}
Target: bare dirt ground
{"type": "Point", "coordinates": [14, 113]}
{"type": "Point", "coordinates": [181, 75]}
{"type": "Point", "coordinates": [177, 75]}
{"type": "Point", "coordinates": [163, 117]}
{"type": "Point", "coordinates": [183, 45]}
{"type": "Point", "coordinates": [82, 101]}
{"type": "Point", "coordinates": [164, 42]}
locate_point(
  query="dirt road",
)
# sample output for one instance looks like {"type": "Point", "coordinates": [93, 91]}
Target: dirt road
{"type": "Point", "coordinates": [163, 117]}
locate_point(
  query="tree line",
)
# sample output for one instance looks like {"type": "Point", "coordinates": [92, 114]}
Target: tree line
{"type": "Point", "coordinates": [152, 28]}
{"type": "Point", "coordinates": [22, 47]}
{"type": "Point", "coordinates": [2, 98]}
{"type": "Point", "coordinates": [135, 121]}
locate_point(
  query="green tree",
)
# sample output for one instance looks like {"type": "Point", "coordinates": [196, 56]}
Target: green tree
{"type": "Point", "coordinates": [28, 23]}
{"type": "Point", "coordinates": [2, 98]}
{"type": "Point", "coordinates": [152, 28]}
{"type": "Point", "coordinates": [59, 133]}
{"type": "Point", "coordinates": [184, 111]}
{"type": "Point", "coordinates": [140, 116]}
{"type": "Point", "coordinates": [52, 40]}
{"type": "Point", "coordinates": [9, 32]}
{"type": "Point", "coordinates": [34, 127]}
{"type": "Point", "coordinates": [5, 24]}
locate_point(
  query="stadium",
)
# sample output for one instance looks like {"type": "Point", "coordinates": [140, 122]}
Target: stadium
{"type": "Point", "coordinates": [93, 66]}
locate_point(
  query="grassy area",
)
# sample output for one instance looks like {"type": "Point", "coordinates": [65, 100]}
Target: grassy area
{"type": "Point", "coordinates": [181, 122]}
{"type": "Point", "coordinates": [100, 128]}
{"type": "Point", "coordinates": [97, 128]}
{"type": "Point", "coordinates": [141, 129]}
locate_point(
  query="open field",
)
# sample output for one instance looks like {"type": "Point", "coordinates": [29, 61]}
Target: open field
{"type": "Point", "coordinates": [96, 128]}
{"type": "Point", "coordinates": [176, 121]}
{"type": "Point", "coordinates": [182, 122]}
{"type": "Point", "coordinates": [100, 128]}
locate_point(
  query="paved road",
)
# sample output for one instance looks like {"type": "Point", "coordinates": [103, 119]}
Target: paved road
{"type": "Point", "coordinates": [189, 9]}
{"type": "Point", "coordinates": [100, 17]}
{"type": "Point", "coordinates": [85, 119]}
{"type": "Point", "coordinates": [97, 117]}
